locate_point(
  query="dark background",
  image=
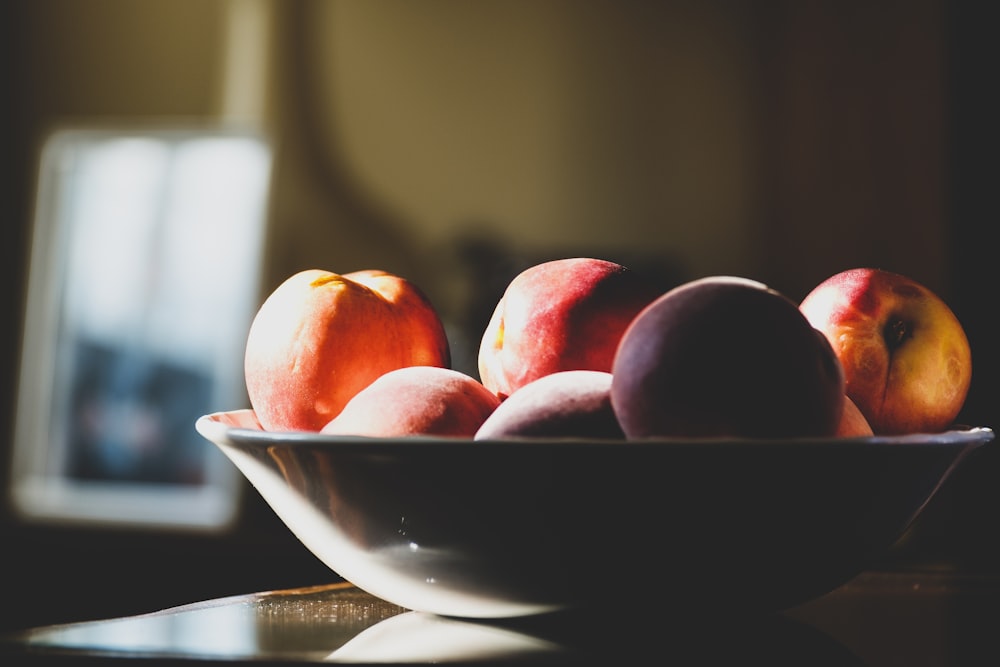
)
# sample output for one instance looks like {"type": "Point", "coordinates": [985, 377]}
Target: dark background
{"type": "Point", "coordinates": [61, 573]}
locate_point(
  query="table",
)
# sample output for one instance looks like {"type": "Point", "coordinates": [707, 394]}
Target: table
{"type": "Point", "coordinates": [878, 619]}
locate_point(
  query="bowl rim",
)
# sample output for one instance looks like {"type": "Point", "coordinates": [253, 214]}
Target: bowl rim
{"type": "Point", "coordinates": [219, 427]}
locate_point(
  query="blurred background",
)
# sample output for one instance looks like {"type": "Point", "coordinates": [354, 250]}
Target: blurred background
{"type": "Point", "coordinates": [454, 143]}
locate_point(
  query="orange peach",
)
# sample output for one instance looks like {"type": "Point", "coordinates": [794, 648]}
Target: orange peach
{"type": "Point", "coordinates": [321, 337]}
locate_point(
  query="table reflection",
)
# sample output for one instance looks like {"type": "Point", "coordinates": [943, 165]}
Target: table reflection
{"type": "Point", "coordinates": [339, 623]}
{"type": "Point", "coordinates": [302, 624]}
{"type": "Point", "coordinates": [419, 637]}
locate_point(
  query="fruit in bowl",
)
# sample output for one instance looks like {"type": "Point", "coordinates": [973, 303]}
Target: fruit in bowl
{"type": "Point", "coordinates": [564, 404]}
{"type": "Point", "coordinates": [321, 337]}
{"type": "Point", "coordinates": [740, 446]}
{"type": "Point", "coordinates": [560, 315]}
{"type": "Point", "coordinates": [416, 400]}
{"type": "Point", "coordinates": [906, 359]}
{"type": "Point", "coordinates": [725, 356]}
{"type": "Point", "coordinates": [852, 422]}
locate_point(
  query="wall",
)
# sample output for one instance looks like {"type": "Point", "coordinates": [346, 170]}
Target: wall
{"type": "Point", "coordinates": [778, 143]}
{"type": "Point", "coordinates": [779, 140]}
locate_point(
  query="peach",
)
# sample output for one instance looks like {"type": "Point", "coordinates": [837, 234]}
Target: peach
{"type": "Point", "coordinates": [416, 400]}
{"type": "Point", "coordinates": [906, 357]}
{"type": "Point", "coordinates": [320, 337]}
{"type": "Point", "coordinates": [560, 315]}
{"type": "Point", "coordinates": [728, 357]}
{"type": "Point", "coordinates": [852, 422]}
{"type": "Point", "coordinates": [562, 404]}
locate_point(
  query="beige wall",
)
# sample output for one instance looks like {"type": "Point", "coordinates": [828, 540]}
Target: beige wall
{"type": "Point", "coordinates": [770, 140]}
{"type": "Point", "coordinates": [553, 124]}
{"type": "Point", "coordinates": [113, 59]}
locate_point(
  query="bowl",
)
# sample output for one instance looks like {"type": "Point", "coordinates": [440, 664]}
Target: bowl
{"type": "Point", "coordinates": [493, 529]}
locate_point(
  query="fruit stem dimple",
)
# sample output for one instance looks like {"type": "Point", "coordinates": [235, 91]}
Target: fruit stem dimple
{"type": "Point", "coordinates": [896, 331]}
{"type": "Point", "coordinates": [327, 279]}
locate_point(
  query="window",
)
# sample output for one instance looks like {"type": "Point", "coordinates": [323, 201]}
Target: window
{"type": "Point", "coordinates": [143, 279]}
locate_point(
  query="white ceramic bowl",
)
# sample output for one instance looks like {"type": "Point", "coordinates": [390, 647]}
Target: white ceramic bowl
{"type": "Point", "coordinates": [496, 529]}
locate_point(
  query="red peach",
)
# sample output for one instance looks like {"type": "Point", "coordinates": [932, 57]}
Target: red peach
{"type": "Point", "coordinates": [560, 315]}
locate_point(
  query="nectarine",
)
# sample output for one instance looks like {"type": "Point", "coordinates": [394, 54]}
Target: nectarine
{"type": "Point", "coordinates": [725, 356]}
